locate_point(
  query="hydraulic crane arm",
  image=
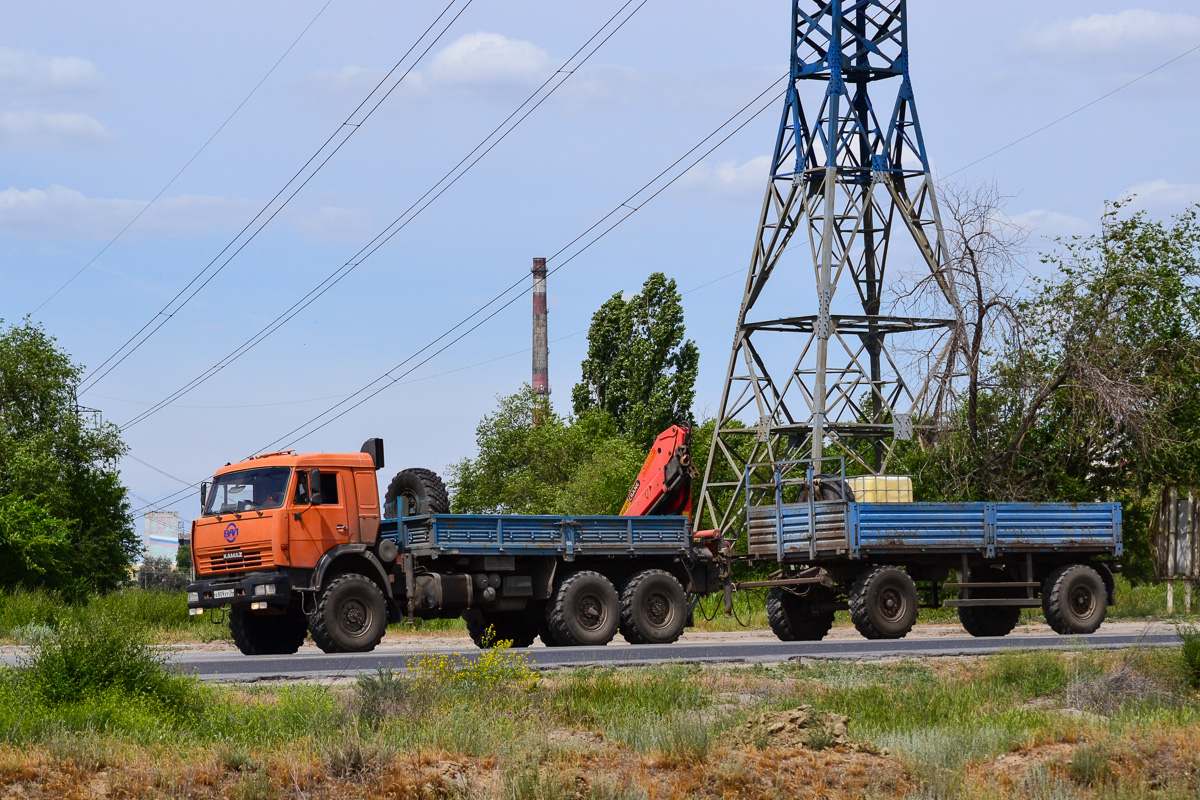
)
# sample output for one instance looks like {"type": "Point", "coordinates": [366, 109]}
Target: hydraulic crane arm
{"type": "Point", "coordinates": [664, 486]}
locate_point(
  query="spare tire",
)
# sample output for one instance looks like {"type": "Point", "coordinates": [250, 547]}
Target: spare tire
{"type": "Point", "coordinates": [424, 490]}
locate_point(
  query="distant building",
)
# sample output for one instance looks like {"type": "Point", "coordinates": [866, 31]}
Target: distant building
{"type": "Point", "coordinates": [163, 530]}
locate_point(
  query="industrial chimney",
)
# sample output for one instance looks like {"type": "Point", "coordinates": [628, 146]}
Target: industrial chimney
{"type": "Point", "coordinates": [541, 347]}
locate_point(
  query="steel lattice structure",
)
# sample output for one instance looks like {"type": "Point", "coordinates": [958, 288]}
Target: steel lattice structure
{"type": "Point", "coordinates": [853, 180]}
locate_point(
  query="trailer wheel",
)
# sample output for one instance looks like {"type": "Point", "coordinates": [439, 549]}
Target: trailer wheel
{"type": "Point", "coordinates": [988, 620]}
{"type": "Point", "coordinates": [883, 603]}
{"type": "Point", "coordinates": [585, 610]}
{"type": "Point", "coordinates": [350, 617]}
{"type": "Point", "coordinates": [1074, 599]}
{"type": "Point", "coordinates": [793, 618]}
{"type": "Point", "coordinates": [653, 608]}
{"type": "Point", "coordinates": [263, 635]}
{"type": "Point", "coordinates": [424, 489]}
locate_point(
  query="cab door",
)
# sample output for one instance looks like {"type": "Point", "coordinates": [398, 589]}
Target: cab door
{"type": "Point", "coordinates": [315, 529]}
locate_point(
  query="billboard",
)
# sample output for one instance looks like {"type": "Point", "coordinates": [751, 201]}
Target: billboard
{"type": "Point", "coordinates": [163, 530]}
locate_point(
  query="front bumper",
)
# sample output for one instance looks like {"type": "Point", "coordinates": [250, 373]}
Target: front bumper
{"type": "Point", "coordinates": [259, 590]}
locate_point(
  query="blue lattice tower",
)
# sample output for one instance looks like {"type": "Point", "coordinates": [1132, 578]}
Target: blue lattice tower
{"type": "Point", "coordinates": [851, 176]}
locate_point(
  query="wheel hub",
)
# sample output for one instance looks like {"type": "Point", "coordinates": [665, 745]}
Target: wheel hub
{"type": "Point", "coordinates": [658, 610]}
{"type": "Point", "coordinates": [891, 604]}
{"type": "Point", "coordinates": [591, 612]}
{"type": "Point", "coordinates": [1083, 603]}
{"type": "Point", "coordinates": [354, 616]}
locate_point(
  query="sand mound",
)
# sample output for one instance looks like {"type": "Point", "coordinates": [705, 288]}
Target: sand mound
{"type": "Point", "coordinates": [799, 728]}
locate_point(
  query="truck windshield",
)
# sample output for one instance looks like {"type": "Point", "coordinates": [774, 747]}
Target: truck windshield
{"type": "Point", "coordinates": [248, 490]}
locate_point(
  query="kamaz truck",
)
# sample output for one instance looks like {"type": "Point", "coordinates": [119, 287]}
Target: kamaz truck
{"type": "Point", "coordinates": [297, 544]}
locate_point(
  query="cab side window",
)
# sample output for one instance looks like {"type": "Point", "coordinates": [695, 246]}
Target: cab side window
{"type": "Point", "coordinates": [329, 492]}
{"type": "Point", "coordinates": [301, 498]}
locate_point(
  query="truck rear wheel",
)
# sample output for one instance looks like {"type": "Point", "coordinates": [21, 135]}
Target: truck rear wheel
{"type": "Point", "coordinates": [490, 629]}
{"type": "Point", "coordinates": [883, 603]}
{"type": "Point", "coordinates": [653, 608]}
{"type": "Point", "coordinates": [585, 610]}
{"type": "Point", "coordinates": [424, 490]}
{"type": "Point", "coordinates": [350, 617]}
{"type": "Point", "coordinates": [1074, 599]}
{"type": "Point", "coordinates": [267, 635]}
{"type": "Point", "coordinates": [988, 620]}
{"type": "Point", "coordinates": [793, 618]}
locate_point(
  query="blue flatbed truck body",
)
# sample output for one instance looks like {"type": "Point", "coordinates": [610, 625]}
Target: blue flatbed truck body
{"type": "Point", "coordinates": [566, 537]}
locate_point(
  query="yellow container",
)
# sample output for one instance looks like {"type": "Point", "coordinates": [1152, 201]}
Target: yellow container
{"type": "Point", "coordinates": [881, 488]}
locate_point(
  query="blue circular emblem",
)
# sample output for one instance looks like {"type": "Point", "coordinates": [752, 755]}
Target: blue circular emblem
{"type": "Point", "coordinates": [230, 532]}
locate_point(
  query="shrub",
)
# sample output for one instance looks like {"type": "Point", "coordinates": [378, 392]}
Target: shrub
{"type": "Point", "coordinates": [1189, 654]}
{"type": "Point", "coordinates": [94, 654]}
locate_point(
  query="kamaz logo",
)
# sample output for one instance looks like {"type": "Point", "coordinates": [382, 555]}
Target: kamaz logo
{"type": "Point", "coordinates": [236, 554]}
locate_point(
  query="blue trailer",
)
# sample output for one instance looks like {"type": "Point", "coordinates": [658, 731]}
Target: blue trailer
{"type": "Point", "coordinates": [874, 558]}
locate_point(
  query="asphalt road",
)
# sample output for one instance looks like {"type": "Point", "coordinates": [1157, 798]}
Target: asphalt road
{"type": "Point", "coordinates": [232, 666]}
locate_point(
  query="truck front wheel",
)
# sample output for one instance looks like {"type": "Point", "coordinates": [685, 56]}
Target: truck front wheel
{"type": "Point", "coordinates": [883, 603]}
{"type": "Point", "coordinates": [350, 617]}
{"type": "Point", "coordinates": [585, 610]}
{"type": "Point", "coordinates": [653, 608]}
{"type": "Point", "coordinates": [1074, 599]}
{"type": "Point", "coordinates": [267, 635]}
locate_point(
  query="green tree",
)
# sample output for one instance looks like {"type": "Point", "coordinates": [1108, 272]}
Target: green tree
{"type": "Point", "coordinates": [1096, 398]}
{"type": "Point", "coordinates": [558, 466]}
{"type": "Point", "coordinates": [183, 558]}
{"type": "Point", "coordinates": [639, 367]}
{"type": "Point", "coordinates": [65, 513]}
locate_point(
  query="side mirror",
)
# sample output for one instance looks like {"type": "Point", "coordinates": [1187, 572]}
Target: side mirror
{"type": "Point", "coordinates": [203, 496]}
{"type": "Point", "coordinates": [314, 487]}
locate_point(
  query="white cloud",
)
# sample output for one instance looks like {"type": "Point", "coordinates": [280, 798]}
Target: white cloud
{"type": "Point", "coordinates": [59, 212]}
{"type": "Point", "coordinates": [488, 60]}
{"type": "Point", "coordinates": [1161, 198]}
{"type": "Point", "coordinates": [729, 177]}
{"type": "Point", "coordinates": [26, 71]}
{"type": "Point", "coordinates": [1106, 34]}
{"type": "Point", "coordinates": [1043, 223]}
{"type": "Point", "coordinates": [50, 128]}
{"type": "Point", "coordinates": [334, 224]}
{"type": "Point", "coordinates": [350, 78]}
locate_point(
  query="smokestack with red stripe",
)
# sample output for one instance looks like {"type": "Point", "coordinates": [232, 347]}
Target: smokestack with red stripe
{"type": "Point", "coordinates": [541, 346]}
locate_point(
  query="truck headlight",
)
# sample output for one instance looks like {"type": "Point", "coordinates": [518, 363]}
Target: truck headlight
{"type": "Point", "coordinates": [193, 597]}
{"type": "Point", "coordinates": [264, 588]}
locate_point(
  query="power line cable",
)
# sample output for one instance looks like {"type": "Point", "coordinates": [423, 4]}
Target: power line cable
{"type": "Point", "coordinates": [1070, 114]}
{"type": "Point", "coordinates": [183, 169]}
{"type": "Point", "coordinates": [631, 206]}
{"type": "Point", "coordinates": [451, 177]}
{"type": "Point", "coordinates": [344, 132]}
{"type": "Point", "coordinates": [731, 274]}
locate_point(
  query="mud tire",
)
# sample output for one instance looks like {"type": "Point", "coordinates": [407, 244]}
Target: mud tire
{"type": "Point", "coordinates": [792, 619]}
{"type": "Point", "coordinates": [350, 617]}
{"type": "Point", "coordinates": [584, 611]}
{"type": "Point", "coordinates": [267, 635]}
{"type": "Point", "coordinates": [424, 489]}
{"type": "Point", "coordinates": [989, 620]}
{"type": "Point", "coordinates": [506, 626]}
{"type": "Point", "coordinates": [654, 608]}
{"type": "Point", "coordinates": [1074, 599]}
{"type": "Point", "coordinates": [884, 603]}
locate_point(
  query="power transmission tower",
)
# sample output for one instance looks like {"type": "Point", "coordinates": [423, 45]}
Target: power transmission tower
{"type": "Point", "coordinates": [851, 176]}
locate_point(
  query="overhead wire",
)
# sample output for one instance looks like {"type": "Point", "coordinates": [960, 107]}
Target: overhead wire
{"type": "Point", "coordinates": [631, 206]}
{"type": "Point", "coordinates": [344, 132]}
{"type": "Point", "coordinates": [451, 177]}
{"type": "Point", "coordinates": [171, 497]}
{"type": "Point", "coordinates": [183, 169]}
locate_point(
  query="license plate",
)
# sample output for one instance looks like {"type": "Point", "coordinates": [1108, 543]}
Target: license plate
{"type": "Point", "coordinates": [222, 594]}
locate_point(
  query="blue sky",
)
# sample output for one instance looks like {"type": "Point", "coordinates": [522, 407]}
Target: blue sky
{"type": "Point", "coordinates": [100, 105]}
